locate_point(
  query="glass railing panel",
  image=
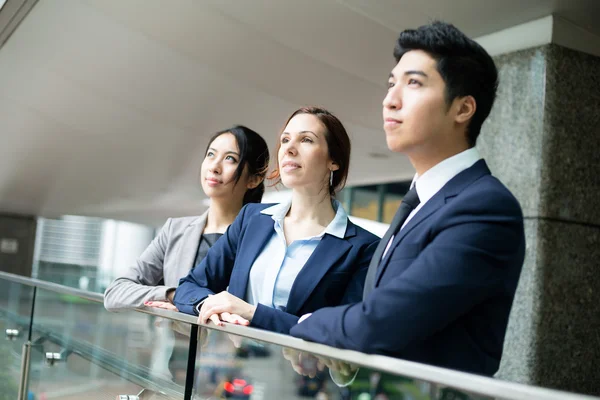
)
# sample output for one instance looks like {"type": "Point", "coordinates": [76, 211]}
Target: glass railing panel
{"type": "Point", "coordinates": [83, 277]}
{"type": "Point", "coordinates": [16, 300]}
{"type": "Point", "coordinates": [104, 354]}
{"type": "Point", "coordinates": [79, 350]}
{"type": "Point", "coordinates": [231, 366]}
{"type": "Point", "coordinates": [15, 316]}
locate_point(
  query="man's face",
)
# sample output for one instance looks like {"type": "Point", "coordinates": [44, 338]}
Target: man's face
{"type": "Point", "coordinates": [415, 112]}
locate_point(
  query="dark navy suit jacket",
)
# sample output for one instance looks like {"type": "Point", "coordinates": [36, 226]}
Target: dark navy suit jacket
{"type": "Point", "coordinates": [444, 289]}
{"type": "Point", "coordinates": [333, 275]}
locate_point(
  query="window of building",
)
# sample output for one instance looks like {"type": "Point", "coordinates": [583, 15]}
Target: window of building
{"type": "Point", "coordinates": [374, 202]}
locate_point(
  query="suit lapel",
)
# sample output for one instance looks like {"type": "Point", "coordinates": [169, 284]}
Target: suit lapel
{"type": "Point", "coordinates": [329, 250]}
{"type": "Point", "coordinates": [429, 208]}
{"type": "Point", "coordinates": [454, 186]}
{"type": "Point", "coordinates": [259, 230]}
{"type": "Point", "coordinates": [191, 241]}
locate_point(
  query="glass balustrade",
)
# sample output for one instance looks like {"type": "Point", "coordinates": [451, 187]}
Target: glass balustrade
{"type": "Point", "coordinates": [60, 343]}
{"type": "Point", "coordinates": [86, 351]}
{"type": "Point", "coordinates": [15, 316]}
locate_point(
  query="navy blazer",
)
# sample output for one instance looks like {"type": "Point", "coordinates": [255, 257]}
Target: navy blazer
{"type": "Point", "coordinates": [333, 275]}
{"type": "Point", "coordinates": [444, 289]}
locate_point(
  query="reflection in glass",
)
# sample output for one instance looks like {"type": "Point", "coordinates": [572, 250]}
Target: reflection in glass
{"type": "Point", "coordinates": [15, 312]}
{"type": "Point", "coordinates": [229, 366]}
{"type": "Point", "coordinates": [103, 354]}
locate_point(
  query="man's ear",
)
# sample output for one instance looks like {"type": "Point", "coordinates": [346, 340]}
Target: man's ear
{"type": "Point", "coordinates": [466, 109]}
{"type": "Point", "coordinates": [254, 181]}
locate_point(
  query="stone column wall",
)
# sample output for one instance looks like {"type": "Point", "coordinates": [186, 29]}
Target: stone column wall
{"type": "Point", "coordinates": [543, 141]}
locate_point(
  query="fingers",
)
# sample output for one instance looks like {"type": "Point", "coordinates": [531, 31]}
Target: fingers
{"type": "Point", "coordinates": [210, 311]}
{"type": "Point", "coordinates": [161, 304]}
{"type": "Point", "coordinates": [343, 368]}
{"type": "Point", "coordinates": [308, 364]}
{"type": "Point", "coordinates": [325, 362]}
{"type": "Point", "coordinates": [237, 319]}
{"type": "Point", "coordinates": [305, 363]}
{"type": "Point", "coordinates": [288, 353]}
{"type": "Point", "coordinates": [222, 310]}
{"type": "Point", "coordinates": [217, 313]}
{"type": "Point", "coordinates": [227, 317]}
{"type": "Point", "coordinates": [321, 365]}
{"type": "Point", "coordinates": [207, 311]}
{"type": "Point", "coordinates": [214, 318]}
{"type": "Point", "coordinates": [296, 365]}
{"type": "Point", "coordinates": [232, 318]}
{"type": "Point", "coordinates": [204, 317]}
{"type": "Point", "coordinates": [203, 337]}
{"type": "Point", "coordinates": [236, 340]}
{"type": "Point", "coordinates": [293, 356]}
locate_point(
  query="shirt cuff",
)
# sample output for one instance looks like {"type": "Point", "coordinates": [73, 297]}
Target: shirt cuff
{"type": "Point", "coordinates": [198, 306]}
{"type": "Point", "coordinates": [304, 317]}
{"type": "Point", "coordinates": [167, 289]}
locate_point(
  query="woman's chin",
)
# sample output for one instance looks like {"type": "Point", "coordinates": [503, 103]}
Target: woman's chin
{"type": "Point", "coordinates": [289, 182]}
{"type": "Point", "coordinates": [211, 191]}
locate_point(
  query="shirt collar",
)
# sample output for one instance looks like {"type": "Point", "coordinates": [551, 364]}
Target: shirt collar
{"type": "Point", "coordinates": [337, 226]}
{"type": "Point", "coordinates": [435, 178]}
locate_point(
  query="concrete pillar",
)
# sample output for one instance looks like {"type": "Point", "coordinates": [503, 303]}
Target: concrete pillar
{"type": "Point", "coordinates": [543, 141]}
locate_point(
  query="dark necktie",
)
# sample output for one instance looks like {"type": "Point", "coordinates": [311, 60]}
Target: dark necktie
{"type": "Point", "coordinates": [409, 203]}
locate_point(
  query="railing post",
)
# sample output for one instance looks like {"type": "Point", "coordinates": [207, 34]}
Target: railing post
{"type": "Point", "coordinates": [25, 359]}
{"type": "Point", "coordinates": [191, 365]}
{"type": "Point", "coordinates": [26, 354]}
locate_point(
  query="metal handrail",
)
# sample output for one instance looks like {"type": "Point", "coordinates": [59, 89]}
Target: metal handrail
{"type": "Point", "coordinates": [471, 383]}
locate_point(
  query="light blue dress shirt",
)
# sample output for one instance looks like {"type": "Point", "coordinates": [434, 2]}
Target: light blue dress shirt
{"type": "Point", "coordinates": [277, 266]}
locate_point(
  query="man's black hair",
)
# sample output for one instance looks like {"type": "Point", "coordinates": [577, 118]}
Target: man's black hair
{"type": "Point", "coordinates": [466, 68]}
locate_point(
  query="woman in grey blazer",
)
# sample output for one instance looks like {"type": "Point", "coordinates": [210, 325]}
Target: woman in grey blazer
{"type": "Point", "coordinates": [231, 175]}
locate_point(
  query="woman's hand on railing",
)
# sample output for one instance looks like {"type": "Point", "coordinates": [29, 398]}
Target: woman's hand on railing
{"type": "Point", "coordinates": [165, 305]}
{"type": "Point", "coordinates": [225, 307]}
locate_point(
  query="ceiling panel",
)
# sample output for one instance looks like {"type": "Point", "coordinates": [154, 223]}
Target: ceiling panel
{"type": "Point", "coordinates": [107, 105]}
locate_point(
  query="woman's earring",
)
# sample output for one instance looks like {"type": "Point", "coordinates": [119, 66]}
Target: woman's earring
{"type": "Point", "coordinates": [330, 177]}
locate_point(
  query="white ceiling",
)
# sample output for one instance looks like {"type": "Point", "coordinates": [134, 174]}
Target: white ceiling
{"type": "Point", "coordinates": [106, 105]}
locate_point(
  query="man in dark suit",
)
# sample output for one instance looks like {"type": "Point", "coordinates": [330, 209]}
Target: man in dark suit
{"type": "Point", "coordinates": [441, 283]}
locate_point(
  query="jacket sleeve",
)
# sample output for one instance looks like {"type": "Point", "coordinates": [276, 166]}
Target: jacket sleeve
{"type": "Point", "coordinates": [279, 321]}
{"type": "Point", "coordinates": [272, 319]}
{"type": "Point", "coordinates": [139, 283]}
{"type": "Point", "coordinates": [213, 273]}
{"type": "Point", "coordinates": [468, 260]}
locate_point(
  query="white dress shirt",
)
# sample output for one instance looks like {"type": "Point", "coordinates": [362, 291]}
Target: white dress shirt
{"type": "Point", "coordinates": [436, 177]}
{"type": "Point", "coordinates": [275, 269]}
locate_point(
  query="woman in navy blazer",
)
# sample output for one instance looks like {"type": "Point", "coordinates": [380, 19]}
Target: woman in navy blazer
{"type": "Point", "coordinates": [278, 262]}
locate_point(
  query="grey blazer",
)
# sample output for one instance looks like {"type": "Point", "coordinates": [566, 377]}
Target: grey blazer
{"type": "Point", "coordinates": [169, 257]}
